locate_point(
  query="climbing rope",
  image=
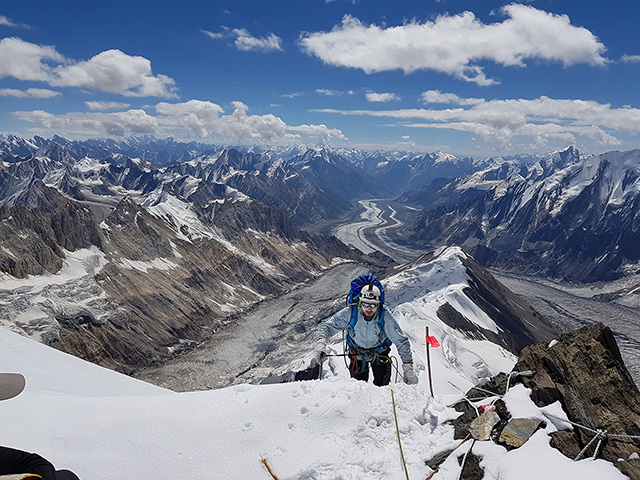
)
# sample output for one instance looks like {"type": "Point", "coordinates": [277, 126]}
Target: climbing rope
{"type": "Point", "coordinates": [464, 459]}
{"type": "Point", "coordinates": [525, 373]}
{"type": "Point", "coordinates": [489, 392]}
{"type": "Point", "coordinates": [395, 416]}
{"type": "Point", "coordinates": [599, 435]}
{"type": "Point", "coordinates": [394, 363]}
{"type": "Point", "coordinates": [469, 400]}
{"type": "Point", "coordinates": [268, 467]}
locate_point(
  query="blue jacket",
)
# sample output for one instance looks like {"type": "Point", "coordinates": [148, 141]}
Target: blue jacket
{"type": "Point", "coordinates": [366, 333]}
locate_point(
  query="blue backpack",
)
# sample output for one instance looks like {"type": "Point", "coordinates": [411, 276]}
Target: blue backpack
{"type": "Point", "coordinates": [353, 300]}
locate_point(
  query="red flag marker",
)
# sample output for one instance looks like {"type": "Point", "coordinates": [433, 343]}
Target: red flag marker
{"type": "Point", "coordinates": [433, 341]}
{"type": "Point", "coordinates": [429, 360]}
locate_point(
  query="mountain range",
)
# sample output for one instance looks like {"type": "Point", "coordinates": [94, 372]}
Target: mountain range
{"type": "Point", "coordinates": [126, 252]}
{"type": "Point", "coordinates": [565, 215]}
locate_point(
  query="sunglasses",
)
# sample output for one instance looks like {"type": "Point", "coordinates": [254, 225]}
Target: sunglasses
{"type": "Point", "coordinates": [369, 306]}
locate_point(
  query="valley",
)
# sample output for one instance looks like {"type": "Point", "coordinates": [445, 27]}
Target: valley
{"type": "Point", "coordinates": [269, 336]}
{"type": "Point", "coordinates": [371, 226]}
{"type": "Point", "coordinates": [259, 342]}
{"type": "Point", "coordinates": [276, 334]}
{"type": "Point", "coordinates": [567, 306]}
{"type": "Point", "coordinates": [211, 253]}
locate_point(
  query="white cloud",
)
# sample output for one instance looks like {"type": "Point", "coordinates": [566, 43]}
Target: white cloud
{"type": "Point", "coordinates": [107, 105]}
{"type": "Point", "coordinates": [247, 42]}
{"type": "Point", "coordinates": [28, 93]}
{"type": "Point", "coordinates": [630, 58]}
{"type": "Point", "coordinates": [7, 22]}
{"type": "Point", "coordinates": [212, 35]}
{"type": "Point", "coordinates": [436, 96]}
{"type": "Point", "coordinates": [455, 44]}
{"type": "Point", "coordinates": [244, 41]}
{"type": "Point", "coordinates": [26, 61]}
{"type": "Point", "coordinates": [328, 93]}
{"type": "Point", "coordinates": [333, 93]}
{"type": "Point", "coordinates": [115, 72]}
{"type": "Point", "coordinates": [199, 119]}
{"type": "Point", "coordinates": [381, 97]}
{"type": "Point", "coordinates": [539, 120]}
{"type": "Point", "coordinates": [322, 133]}
{"type": "Point", "coordinates": [111, 124]}
{"type": "Point", "coordinates": [110, 71]}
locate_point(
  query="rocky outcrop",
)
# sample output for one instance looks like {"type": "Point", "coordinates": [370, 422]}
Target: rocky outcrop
{"type": "Point", "coordinates": [584, 372]}
{"type": "Point", "coordinates": [34, 241]}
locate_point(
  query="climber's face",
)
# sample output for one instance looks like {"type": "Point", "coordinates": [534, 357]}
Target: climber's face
{"type": "Point", "coordinates": [369, 309]}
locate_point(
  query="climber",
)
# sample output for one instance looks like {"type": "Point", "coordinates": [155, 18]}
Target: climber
{"type": "Point", "coordinates": [371, 329]}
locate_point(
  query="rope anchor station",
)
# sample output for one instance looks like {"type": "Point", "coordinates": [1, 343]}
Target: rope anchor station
{"type": "Point", "coordinates": [598, 434]}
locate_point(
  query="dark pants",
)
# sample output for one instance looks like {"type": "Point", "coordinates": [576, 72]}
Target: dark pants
{"type": "Point", "coordinates": [361, 361]}
{"type": "Point", "coordinates": [17, 461]}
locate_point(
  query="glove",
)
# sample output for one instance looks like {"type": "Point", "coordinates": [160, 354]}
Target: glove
{"type": "Point", "coordinates": [320, 350]}
{"type": "Point", "coordinates": [410, 377]}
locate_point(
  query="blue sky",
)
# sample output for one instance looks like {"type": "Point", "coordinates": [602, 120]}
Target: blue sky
{"type": "Point", "coordinates": [465, 77]}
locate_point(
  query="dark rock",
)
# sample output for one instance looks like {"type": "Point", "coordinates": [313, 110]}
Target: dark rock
{"type": "Point", "coordinates": [471, 469]}
{"type": "Point", "coordinates": [461, 424]}
{"type": "Point", "coordinates": [496, 385]}
{"type": "Point", "coordinates": [584, 371]}
{"type": "Point", "coordinates": [437, 460]}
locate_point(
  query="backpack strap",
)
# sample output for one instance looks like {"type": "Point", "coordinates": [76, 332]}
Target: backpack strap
{"type": "Point", "coordinates": [382, 339]}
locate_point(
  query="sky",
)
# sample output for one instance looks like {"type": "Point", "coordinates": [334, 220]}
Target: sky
{"type": "Point", "coordinates": [105, 425]}
{"type": "Point", "coordinates": [464, 77]}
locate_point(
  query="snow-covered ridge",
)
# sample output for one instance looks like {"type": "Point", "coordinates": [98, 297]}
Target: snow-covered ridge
{"type": "Point", "coordinates": [82, 417]}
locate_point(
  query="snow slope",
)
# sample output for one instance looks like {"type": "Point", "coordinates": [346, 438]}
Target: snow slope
{"type": "Point", "coordinates": [107, 426]}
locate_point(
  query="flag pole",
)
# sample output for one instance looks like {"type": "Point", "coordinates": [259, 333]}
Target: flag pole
{"type": "Point", "coordinates": [428, 361]}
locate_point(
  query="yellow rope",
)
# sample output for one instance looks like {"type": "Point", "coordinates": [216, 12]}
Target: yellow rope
{"type": "Point", "coordinates": [404, 464]}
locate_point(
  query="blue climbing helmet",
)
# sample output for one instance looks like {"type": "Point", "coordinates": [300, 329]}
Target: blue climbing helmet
{"type": "Point", "coordinates": [365, 287]}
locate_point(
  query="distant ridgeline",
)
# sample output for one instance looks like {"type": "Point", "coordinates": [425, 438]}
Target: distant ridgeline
{"type": "Point", "coordinates": [156, 244]}
{"type": "Point", "coordinates": [564, 214]}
